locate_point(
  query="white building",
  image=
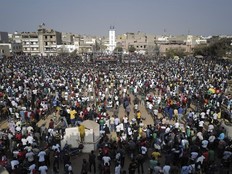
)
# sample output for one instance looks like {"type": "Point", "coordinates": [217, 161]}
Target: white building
{"type": "Point", "coordinates": [112, 41]}
{"type": "Point", "coordinates": [30, 43]}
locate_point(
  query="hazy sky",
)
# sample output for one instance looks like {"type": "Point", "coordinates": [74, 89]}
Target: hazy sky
{"type": "Point", "coordinates": [94, 17]}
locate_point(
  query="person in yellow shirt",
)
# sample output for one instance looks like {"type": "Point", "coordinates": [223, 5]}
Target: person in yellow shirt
{"type": "Point", "coordinates": [81, 129]}
{"type": "Point", "coordinates": [73, 113]}
{"type": "Point", "coordinates": [156, 154]}
{"type": "Point", "coordinates": [138, 117]}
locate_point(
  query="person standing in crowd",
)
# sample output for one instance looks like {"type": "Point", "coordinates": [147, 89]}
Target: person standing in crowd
{"type": "Point", "coordinates": [92, 161]}
{"type": "Point", "coordinates": [85, 167]}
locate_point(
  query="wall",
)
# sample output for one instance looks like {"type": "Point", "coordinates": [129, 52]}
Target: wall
{"type": "Point", "coordinates": [4, 50]}
{"type": "Point", "coordinates": [92, 136]}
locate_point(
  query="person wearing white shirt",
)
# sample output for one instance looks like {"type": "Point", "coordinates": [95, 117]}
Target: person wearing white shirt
{"type": "Point", "coordinates": [31, 168]}
{"type": "Point", "coordinates": [24, 141]}
{"type": "Point", "coordinates": [41, 156]}
{"type": "Point", "coordinates": [166, 169]}
{"type": "Point", "coordinates": [14, 163]}
{"type": "Point", "coordinates": [30, 139]}
{"type": "Point", "coordinates": [56, 147]}
{"type": "Point", "coordinates": [200, 136]}
{"type": "Point", "coordinates": [117, 169]}
{"type": "Point", "coordinates": [118, 129]}
{"type": "Point", "coordinates": [202, 115]}
{"type": "Point", "coordinates": [116, 121]}
{"type": "Point", "coordinates": [30, 155]}
{"type": "Point", "coordinates": [215, 116]}
{"type": "Point", "coordinates": [106, 159]}
{"type": "Point", "coordinates": [210, 128]}
{"type": "Point", "coordinates": [201, 123]}
{"type": "Point", "coordinates": [43, 169]}
{"type": "Point", "coordinates": [29, 129]}
{"type": "Point", "coordinates": [143, 150]}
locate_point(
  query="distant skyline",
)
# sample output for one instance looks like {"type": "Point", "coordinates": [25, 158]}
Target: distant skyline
{"type": "Point", "coordinates": [94, 17]}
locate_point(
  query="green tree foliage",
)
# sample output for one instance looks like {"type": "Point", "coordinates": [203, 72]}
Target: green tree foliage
{"type": "Point", "coordinates": [132, 49]}
{"type": "Point", "coordinates": [175, 52]}
{"type": "Point", "coordinates": [216, 47]}
{"type": "Point", "coordinates": [118, 49]}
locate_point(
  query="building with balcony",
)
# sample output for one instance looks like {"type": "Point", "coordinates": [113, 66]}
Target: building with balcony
{"type": "Point", "coordinates": [85, 44]}
{"type": "Point", "coordinates": [48, 41]}
{"type": "Point", "coordinates": [30, 43]}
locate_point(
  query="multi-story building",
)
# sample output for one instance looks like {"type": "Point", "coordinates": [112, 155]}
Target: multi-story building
{"type": "Point", "coordinates": [140, 41]}
{"type": "Point", "coordinates": [85, 44]}
{"type": "Point", "coordinates": [67, 38]}
{"type": "Point", "coordinates": [48, 41]}
{"type": "Point", "coordinates": [16, 37]}
{"type": "Point", "coordinates": [30, 43]}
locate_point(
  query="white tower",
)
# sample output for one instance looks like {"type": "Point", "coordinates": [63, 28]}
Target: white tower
{"type": "Point", "coordinates": [112, 42]}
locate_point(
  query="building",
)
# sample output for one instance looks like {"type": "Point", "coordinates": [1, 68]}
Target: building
{"type": "Point", "coordinates": [112, 41]}
{"type": "Point", "coordinates": [30, 43]}
{"type": "Point", "coordinates": [4, 37]}
{"type": "Point", "coordinates": [14, 48]}
{"type": "Point", "coordinates": [85, 44]}
{"type": "Point", "coordinates": [16, 37]}
{"type": "Point", "coordinates": [48, 41]}
{"type": "Point", "coordinates": [4, 50]}
{"type": "Point", "coordinates": [67, 38]}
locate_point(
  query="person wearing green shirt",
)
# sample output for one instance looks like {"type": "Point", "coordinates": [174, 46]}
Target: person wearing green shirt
{"type": "Point", "coordinates": [152, 164]}
{"type": "Point", "coordinates": [101, 123]}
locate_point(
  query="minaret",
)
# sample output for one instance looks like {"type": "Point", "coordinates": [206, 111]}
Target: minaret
{"type": "Point", "coordinates": [112, 42]}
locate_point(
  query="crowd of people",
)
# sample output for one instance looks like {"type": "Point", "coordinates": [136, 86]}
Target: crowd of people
{"type": "Point", "coordinates": [183, 139]}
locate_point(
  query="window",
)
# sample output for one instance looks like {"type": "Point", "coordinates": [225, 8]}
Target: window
{"type": "Point", "coordinates": [46, 43]}
{"type": "Point", "coordinates": [51, 37]}
{"type": "Point", "coordinates": [46, 37]}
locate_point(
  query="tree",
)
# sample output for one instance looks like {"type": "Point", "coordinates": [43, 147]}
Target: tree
{"type": "Point", "coordinates": [132, 49]}
{"type": "Point", "coordinates": [118, 49]}
{"type": "Point", "coordinates": [216, 47]}
{"type": "Point", "coordinates": [175, 52]}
